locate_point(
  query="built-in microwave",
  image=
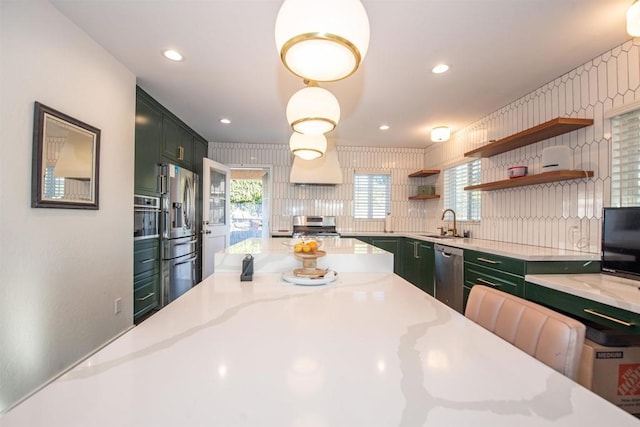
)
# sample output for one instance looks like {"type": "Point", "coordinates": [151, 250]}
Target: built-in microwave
{"type": "Point", "coordinates": [146, 217]}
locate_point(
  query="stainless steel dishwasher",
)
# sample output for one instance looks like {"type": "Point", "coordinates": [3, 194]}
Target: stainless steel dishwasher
{"type": "Point", "coordinates": [449, 275]}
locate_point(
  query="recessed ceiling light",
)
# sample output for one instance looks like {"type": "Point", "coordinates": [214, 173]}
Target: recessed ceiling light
{"type": "Point", "coordinates": [383, 127]}
{"type": "Point", "coordinates": [440, 68]}
{"type": "Point", "coordinates": [172, 55]}
{"type": "Point", "coordinates": [225, 121]}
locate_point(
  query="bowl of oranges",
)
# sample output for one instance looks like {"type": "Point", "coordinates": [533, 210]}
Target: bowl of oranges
{"type": "Point", "coordinates": [308, 252]}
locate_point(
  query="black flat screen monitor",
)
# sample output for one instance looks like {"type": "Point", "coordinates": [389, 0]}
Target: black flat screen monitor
{"type": "Point", "coordinates": [621, 242]}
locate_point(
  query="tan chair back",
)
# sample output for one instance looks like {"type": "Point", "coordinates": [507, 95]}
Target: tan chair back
{"type": "Point", "coordinates": [553, 338]}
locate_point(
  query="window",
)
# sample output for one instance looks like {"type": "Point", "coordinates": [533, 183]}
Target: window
{"type": "Point", "coordinates": [625, 159]}
{"type": "Point", "coordinates": [371, 196]}
{"type": "Point", "coordinates": [465, 203]}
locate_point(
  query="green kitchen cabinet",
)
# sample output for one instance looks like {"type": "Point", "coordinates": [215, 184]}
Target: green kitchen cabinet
{"type": "Point", "coordinates": [507, 274]}
{"type": "Point", "coordinates": [146, 277]}
{"type": "Point", "coordinates": [148, 134]}
{"type": "Point", "coordinates": [391, 244]}
{"type": "Point", "coordinates": [585, 309]}
{"type": "Point", "coordinates": [177, 143]}
{"type": "Point", "coordinates": [418, 264]}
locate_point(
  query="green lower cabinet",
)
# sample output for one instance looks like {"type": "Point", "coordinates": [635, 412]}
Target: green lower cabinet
{"type": "Point", "coordinates": [146, 277]}
{"type": "Point", "coordinates": [418, 263]}
{"type": "Point", "coordinates": [507, 274]}
{"type": "Point", "coordinates": [391, 244]}
{"type": "Point", "coordinates": [591, 311]}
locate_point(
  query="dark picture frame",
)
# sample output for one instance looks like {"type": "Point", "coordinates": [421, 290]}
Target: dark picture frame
{"type": "Point", "coordinates": [66, 161]}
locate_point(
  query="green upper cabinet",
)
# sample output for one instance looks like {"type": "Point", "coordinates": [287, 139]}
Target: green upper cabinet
{"type": "Point", "coordinates": [147, 146]}
{"type": "Point", "coordinates": [177, 143]}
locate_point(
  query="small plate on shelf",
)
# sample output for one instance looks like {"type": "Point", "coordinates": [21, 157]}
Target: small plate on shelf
{"type": "Point", "coordinates": [291, 277]}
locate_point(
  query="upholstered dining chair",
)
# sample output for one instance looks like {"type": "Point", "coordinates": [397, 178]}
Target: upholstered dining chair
{"type": "Point", "coordinates": [553, 338]}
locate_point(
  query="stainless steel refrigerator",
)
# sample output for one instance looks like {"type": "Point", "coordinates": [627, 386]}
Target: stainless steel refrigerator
{"type": "Point", "coordinates": [179, 236]}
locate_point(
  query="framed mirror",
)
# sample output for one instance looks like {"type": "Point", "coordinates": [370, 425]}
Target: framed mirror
{"type": "Point", "coordinates": [66, 162]}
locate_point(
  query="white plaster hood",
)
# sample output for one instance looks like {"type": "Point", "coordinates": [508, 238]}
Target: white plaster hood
{"type": "Point", "coordinates": [322, 171]}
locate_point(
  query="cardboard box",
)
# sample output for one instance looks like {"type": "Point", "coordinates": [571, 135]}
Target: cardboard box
{"type": "Point", "coordinates": [612, 373]}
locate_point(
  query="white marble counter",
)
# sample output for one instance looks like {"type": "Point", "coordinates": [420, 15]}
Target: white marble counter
{"type": "Point", "coordinates": [610, 290]}
{"type": "Point", "coordinates": [514, 250]}
{"type": "Point", "coordinates": [276, 255]}
{"type": "Point", "coordinates": [367, 350]}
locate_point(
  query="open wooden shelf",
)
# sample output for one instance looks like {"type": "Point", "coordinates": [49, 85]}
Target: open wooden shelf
{"type": "Point", "coordinates": [424, 172]}
{"type": "Point", "coordinates": [424, 196]}
{"type": "Point", "coordinates": [555, 127]}
{"type": "Point", "coordinates": [542, 178]}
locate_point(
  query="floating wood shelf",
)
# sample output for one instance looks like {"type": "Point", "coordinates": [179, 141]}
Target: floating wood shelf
{"type": "Point", "coordinates": [542, 178]}
{"type": "Point", "coordinates": [424, 172]}
{"type": "Point", "coordinates": [555, 127]}
{"type": "Point", "coordinates": [424, 196]}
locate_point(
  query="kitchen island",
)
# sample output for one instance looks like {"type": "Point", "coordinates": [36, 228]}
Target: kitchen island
{"type": "Point", "coordinates": [368, 349]}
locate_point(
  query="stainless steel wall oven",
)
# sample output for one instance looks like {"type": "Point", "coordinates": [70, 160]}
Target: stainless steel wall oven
{"type": "Point", "coordinates": [146, 217]}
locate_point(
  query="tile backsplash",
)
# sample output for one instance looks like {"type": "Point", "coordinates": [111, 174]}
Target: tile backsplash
{"type": "Point", "coordinates": [563, 215]}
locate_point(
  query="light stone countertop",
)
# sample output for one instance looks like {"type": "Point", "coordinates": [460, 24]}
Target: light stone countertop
{"type": "Point", "coordinates": [606, 289]}
{"type": "Point", "coordinates": [369, 350]}
{"type": "Point", "coordinates": [514, 250]}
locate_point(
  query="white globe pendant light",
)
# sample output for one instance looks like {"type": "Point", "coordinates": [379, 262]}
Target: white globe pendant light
{"type": "Point", "coordinates": [313, 111]}
{"type": "Point", "coordinates": [308, 147]}
{"type": "Point", "coordinates": [322, 40]}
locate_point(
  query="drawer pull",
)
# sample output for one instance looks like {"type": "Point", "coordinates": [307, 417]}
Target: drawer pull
{"type": "Point", "coordinates": [146, 261]}
{"type": "Point", "coordinates": [490, 261]}
{"type": "Point", "coordinates": [146, 296]}
{"type": "Point", "coordinates": [604, 316]}
{"type": "Point", "coordinates": [486, 282]}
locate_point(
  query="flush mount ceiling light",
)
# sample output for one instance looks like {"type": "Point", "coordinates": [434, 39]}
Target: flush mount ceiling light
{"type": "Point", "coordinates": [173, 55]}
{"type": "Point", "coordinates": [322, 40]}
{"type": "Point", "coordinates": [440, 133]}
{"type": "Point", "coordinates": [313, 110]}
{"type": "Point", "coordinates": [308, 147]}
{"type": "Point", "coordinates": [383, 127]}
{"type": "Point", "coordinates": [440, 68]}
{"type": "Point", "coordinates": [633, 19]}
{"type": "Point", "coordinates": [225, 121]}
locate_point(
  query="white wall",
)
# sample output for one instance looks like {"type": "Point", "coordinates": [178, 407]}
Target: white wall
{"type": "Point", "coordinates": [563, 215]}
{"type": "Point", "coordinates": [60, 269]}
{"type": "Point", "coordinates": [289, 200]}
{"type": "Point", "coordinates": [567, 214]}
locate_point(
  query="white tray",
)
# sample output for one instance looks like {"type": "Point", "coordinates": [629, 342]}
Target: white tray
{"type": "Point", "coordinates": [329, 277]}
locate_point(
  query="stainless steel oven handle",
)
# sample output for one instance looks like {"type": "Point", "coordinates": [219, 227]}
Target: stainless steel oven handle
{"type": "Point", "coordinates": [186, 262]}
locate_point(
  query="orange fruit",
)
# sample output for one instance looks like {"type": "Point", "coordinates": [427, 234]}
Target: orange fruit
{"type": "Point", "coordinates": [313, 244]}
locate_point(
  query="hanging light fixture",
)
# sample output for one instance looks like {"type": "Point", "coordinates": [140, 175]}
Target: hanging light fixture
{"type": "Point", "coordinates": [313, 110]}
{"type": "Point", "coordinates": [633, 19]}
{"type": "Point", "coordinates": [322, 40]}
{"type": "Point", "coordinates": [440, 134]}
{"type": "Point", "coordinates": [308, 147]}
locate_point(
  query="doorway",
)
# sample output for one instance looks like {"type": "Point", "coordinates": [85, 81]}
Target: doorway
{"type": "Point", "coordinates": [249, 196]}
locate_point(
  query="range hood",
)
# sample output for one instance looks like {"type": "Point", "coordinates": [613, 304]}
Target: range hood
{"type": "Point", "coordinates": [322, 171]}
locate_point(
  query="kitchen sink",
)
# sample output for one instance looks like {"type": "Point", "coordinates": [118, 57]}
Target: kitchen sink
{"type": "Point", "coordinates": [438, 236]}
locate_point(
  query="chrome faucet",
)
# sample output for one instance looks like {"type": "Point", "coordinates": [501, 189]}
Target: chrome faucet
{"type": "Point", "coordinates": [455, 229]}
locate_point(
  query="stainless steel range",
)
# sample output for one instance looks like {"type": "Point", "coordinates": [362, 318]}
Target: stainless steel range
{"type": "Point", "coordinates": [314, 226]}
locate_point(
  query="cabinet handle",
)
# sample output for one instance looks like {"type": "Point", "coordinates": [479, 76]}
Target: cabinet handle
{"type": "Point", "coordinates": [180, 152]}
{"type": "Point", "coordinates": [146, 296]}
{"type": "Point", "coordinates": [486, 282]}
{"type": "Point", "coordinates": [604, 316]}
{"type": "Point", "coordinates": [490, 261]}
{"type": "Point", "coordinates": [146, 261]}
{"type": "Point", "coordinates": [415, 250]}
